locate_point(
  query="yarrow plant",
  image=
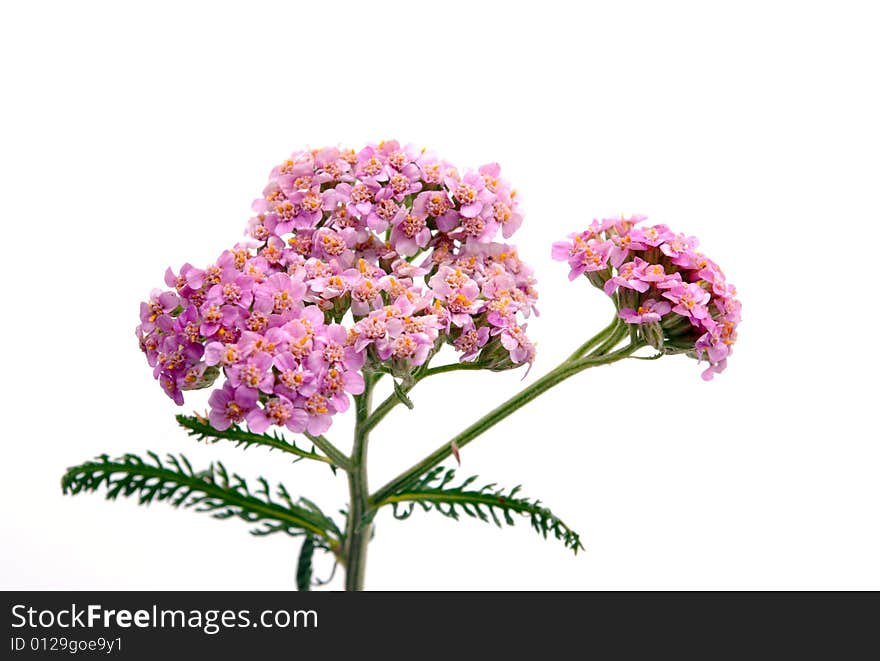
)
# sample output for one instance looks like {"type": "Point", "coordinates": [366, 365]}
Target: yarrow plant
{"type": "Point", "coordinates": [359, 267]}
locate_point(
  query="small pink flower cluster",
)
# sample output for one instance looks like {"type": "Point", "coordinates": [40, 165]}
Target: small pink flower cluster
{"type": "Point", "coordinates": [678, 298]}
{"type": "Point", "coordinates": [374, 257]}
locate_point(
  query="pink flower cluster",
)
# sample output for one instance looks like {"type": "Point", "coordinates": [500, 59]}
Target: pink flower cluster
{"type": "Point", "coordinates": [354, 259]}
{"type": "Point", "coordinates": [678, 298]}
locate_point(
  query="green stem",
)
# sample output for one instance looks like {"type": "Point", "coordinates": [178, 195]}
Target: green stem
{"type": "Point", "coordinates": [619, 332]}
{"type": "Point", "coordinates": [335, 455]}
{"type": "Point", "coordinates": [451, 367]}
{"type": "Point", "coordinates": [542, 385]}
{"type": "Point", "coordinates": [359, 527]}
{"type": "Point", "coordinates": [601, 336]}
{"type": "Point", "coordinates": [393, 400]}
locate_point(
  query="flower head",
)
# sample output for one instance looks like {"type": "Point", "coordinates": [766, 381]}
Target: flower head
{"type": "Point", "coordinates": [678, 299]}
{"type": "Point", "coordinates": [369, 259]}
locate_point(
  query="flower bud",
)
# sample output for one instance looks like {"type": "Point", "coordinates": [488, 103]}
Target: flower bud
{"type": "Point", "coordinates": [495, 357]}
{"type": "Point", "coordinates": [653, 334]}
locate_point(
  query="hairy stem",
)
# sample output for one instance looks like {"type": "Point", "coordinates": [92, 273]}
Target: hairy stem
{"type": "Point", "coordinates": [333, 453]}
{"type": "Point", "coordinates": [393, 400]}
{"type": "Point", "coordinates": [542, 385]}
{"type": "Point", "coordinates": [619, 331]}
{"type": "Point", "coordinates": [359, 527]}
{"type": "Point", "coordinates": [598, 338]}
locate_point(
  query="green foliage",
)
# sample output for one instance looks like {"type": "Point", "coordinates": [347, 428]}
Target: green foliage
{"type": "Point", "coordinates": [201, 429]}
{"type": "Point", "coordinates": [212, 490]}
{"type": "Point", "coordinates": [304, 565]}
{"type": "Point", "coordinates": [434, 491]}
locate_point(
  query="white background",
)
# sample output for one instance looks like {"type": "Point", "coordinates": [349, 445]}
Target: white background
{"type": "Point", "coordinates": [134, 136]}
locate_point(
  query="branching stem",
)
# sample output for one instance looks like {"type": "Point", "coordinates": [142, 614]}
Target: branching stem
{"type": "Point", "coordinates": [565, 370]}
{"type": "Point", "coordinates": [332, 452]}
{"type": "Point", "coordinates": [598, 350]}
{"type": "Point", "coordinates": [360, 526]}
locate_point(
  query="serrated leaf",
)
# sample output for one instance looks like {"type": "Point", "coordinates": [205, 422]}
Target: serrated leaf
{"type": "Point", "coordinates": [433, 492]}
{"type": "Point", "coordinates": [201, 429]}
{"type": "Point", "coordinates": [304, 565]}
{"type": "Point", "coordinates": [212, 490]}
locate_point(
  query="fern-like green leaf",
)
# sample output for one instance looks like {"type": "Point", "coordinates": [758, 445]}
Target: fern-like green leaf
{"type": "Point", "coordinates": [434, 491]}
{"type": "Point", "coordinates": [304, 565]}
{"type": "Point", "coordinates": [215, 490]}
{"type": "Point", "coordinates": [201, 429]}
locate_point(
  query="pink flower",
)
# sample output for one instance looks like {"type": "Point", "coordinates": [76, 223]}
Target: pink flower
{"type": "Point", "coordinates": [385, 212]}
{"type": "Point", "coordinates": [331, 349]}
{"type": "Point", "coordinates": [470, 342]}
{"type": "Point", "coordinates": [229, 405]}
{"type": "Point", "coordinates": [521, 349]}
{"type": "Point", "coordinates": [216, 318]}
{"type": "Point", "coordinates": [318, 410]}
{"type": "Point", "coordinates": [234, 288]}
{"type": "Point", "coordinates": [310, 204]}
{"type": "Point", "coordinates": [436, 205]}
{"type": "Point", "coordinates": [471, 194]}
{"type": "Point", "coordinates": [680, 248]}
{"type": "Point", "coordinates": [370, 165]}
{"type": "Point", "coordinates": [449, 283]}
{"type": "Point", "coordinates": [624, 245]}
{"type": "Point", "coordinates": [678, 298]}
{"type": "Point", "coordinates": [690, 300]}
{"type": "Point", "coordinates": [190, 278]}
{"type": "Point", "coordinates": [652, 236]}
{"type": "Point", "coordinates": [412, 349]}
{"type": "Point", "coordinates": [433, 171]}
{"type": "Point", "coordinates": [583, 255]}
{"type": "Point", "coordinates": [366, 295]}
{"type": "Point", "coordinates": [405, 182]}
{"type": "Point", "coordinates": [653, 274]}
{"type": "Point", "coordinates": [649, 310]}
{"type": "Point", "coordinates": [368, 331]}
{"type": "Point", "coordinates": [277, 411]}
{"type": "Point", "coordinates": [504, 214]}
{"type": "Point", "coordinates": [338, 384]}
{"type": "Point", "coordinates": [409, 234]}
{"type": "Point", "coordinates": [256, 373]}
{"type": "Point", "coordinates": [287, 318]}
{"type": "Point", "coordinates": [220, 353]}
{"type": "Point", "coordinates": [278, 294]}
{"type": "Point", "coordinates": [629, 276]}
{"type": "Point", "coordinates": [159, 305]}
{"type": "Point", "coordinates": [713, 343]}
{"type": "Point", "coordinates": [293, 379]}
